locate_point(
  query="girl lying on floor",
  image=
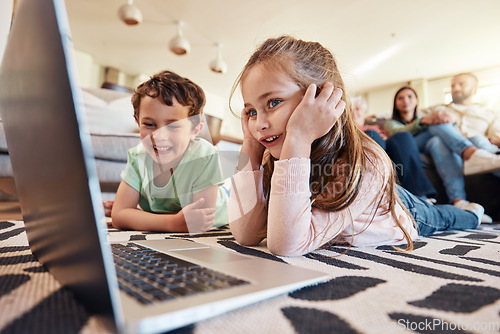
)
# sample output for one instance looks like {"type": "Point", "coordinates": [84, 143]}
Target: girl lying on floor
{"type": "Point", "coordinates": [322, 179]}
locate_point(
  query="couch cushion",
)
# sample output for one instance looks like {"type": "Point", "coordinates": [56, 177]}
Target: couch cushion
{"type": "Point", "coordinates": [109, 171]}
{"type": "Point", "coordinates": [105, 146]}
{"type": "Point", "coordinates": [113, 147]}
{"type": "Point", "coordinates": [109, 111]}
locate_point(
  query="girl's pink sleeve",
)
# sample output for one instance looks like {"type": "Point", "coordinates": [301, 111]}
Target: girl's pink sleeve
{"type": "Point", "coordinates": [294, 227]}
{"type": "Point", "coordinates": [247, 207]}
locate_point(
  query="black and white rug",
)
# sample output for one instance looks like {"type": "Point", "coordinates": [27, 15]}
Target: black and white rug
{"type": "Point", "coordinates": [450, 283]}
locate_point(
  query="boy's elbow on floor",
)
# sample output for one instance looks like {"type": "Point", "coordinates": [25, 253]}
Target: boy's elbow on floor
{"type": "Point", "coordinates": [115, 221]}
{"type": "Point", "coordinates": [115, 224]}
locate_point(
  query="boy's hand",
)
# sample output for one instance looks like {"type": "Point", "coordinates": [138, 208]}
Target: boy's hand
{"type": "Point", "coordinates": [108, 206]}
{"type": "Point", "coordinates": [315, 116]}
{"type": "Point", "coordinates": [198, 218]}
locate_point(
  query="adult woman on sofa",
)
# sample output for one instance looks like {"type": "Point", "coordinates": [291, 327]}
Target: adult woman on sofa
{"type": "Point", "coordinates": [401, 148]}
{"type": "Point", "coordinates": [454, 155]}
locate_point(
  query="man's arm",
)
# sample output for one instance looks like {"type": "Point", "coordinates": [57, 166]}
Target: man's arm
{"type": "Point", "coordinates": [495, 140]}
{"type": "Point", "coordinates": [493, 132]}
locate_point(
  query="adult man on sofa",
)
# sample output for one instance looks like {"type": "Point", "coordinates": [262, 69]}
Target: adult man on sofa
{"type": "Point", "coordinates": [471, 119]}
{"type": "Point", "coordinates": [479, 124]}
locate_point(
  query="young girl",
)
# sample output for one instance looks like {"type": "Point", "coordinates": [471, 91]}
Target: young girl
{"type": "Point", "coordinates": [401, 147]}
{"type": "Point", "coordinates": [322, 179]}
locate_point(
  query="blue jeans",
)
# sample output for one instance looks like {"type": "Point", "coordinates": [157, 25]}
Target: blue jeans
{"type": "Point", "coordinates": [433, 218]}
{"type": "Point", "coordinates": [445, 145]}
{"type": "Point", "coordinates": [403, 151]}
{"type": "Point", "coordinates": [376, 137]}
{"type": "Point", "coordinates": [484, 143]}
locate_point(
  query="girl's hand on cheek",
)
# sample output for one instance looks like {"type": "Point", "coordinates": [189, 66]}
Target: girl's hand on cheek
{"type": "Point", "coordinates": [247, 135]}
{"type": "Point", "coordinates": [315, 116]}
{"type": "Point", "coordinates": [252, 150]}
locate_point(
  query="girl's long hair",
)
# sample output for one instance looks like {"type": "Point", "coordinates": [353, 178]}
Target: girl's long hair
{"type": "Point", "coordinates": [338, 159]}
{"type": "Point", "coordinates": [396, 115]}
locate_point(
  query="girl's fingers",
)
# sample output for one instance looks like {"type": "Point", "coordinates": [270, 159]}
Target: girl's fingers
{"type": "Point", "coordinates": [244, 123]}
{"type": "Point", "coordinates": [310, 93]}
{"type": "Point", "coordinates": [332, 95]}
{"type": "Point", "coordinates": [326, 91]}
{"type": "Point", "coordinates": [341, 106]}
{"type": "Point", "coordinates": [337, 96]}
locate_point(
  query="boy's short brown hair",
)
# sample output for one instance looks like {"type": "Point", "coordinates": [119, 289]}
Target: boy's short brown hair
{"type": "Point", "coordinates": [169, 85]}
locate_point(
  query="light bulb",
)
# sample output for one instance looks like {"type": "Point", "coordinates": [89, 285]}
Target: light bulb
{"type": "Point", "coordinates": [218, 65]}
{"type": "Point", "coordinates": [179, 44]}
{"type": "Point", "coordinates": [130, 14]}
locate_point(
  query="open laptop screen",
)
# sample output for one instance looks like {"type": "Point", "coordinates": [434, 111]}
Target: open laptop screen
{"type": "Point", "coordinates": [52, 161]}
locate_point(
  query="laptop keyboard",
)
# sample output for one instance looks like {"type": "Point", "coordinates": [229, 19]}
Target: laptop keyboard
{"type": "Point", "coordinates": [150, 276]}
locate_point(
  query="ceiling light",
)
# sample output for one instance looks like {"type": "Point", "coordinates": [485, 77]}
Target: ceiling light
{"type": "Point", "coordinates": [218, 65]}
{"type": "Point", "coordinates": [130, 14]}
{"type": "Point", "coordinates": [179, 44]}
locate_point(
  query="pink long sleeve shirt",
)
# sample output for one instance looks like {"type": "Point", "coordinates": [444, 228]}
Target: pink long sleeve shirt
{"type": "Point", "coordinates": [294, 227]}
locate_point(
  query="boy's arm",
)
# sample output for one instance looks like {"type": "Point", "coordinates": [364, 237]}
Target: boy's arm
{"type": "Point", "coordinates": [126, 215]}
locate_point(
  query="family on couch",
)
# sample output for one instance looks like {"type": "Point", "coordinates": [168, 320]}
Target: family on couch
{"type": "Point", "coordinates": [401, 148]}
{"type": "Point", "coordinates": [461, 137]}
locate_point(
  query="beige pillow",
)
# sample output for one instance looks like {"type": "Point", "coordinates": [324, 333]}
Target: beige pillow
{"type": "Point", "coordinates": [115, 116]}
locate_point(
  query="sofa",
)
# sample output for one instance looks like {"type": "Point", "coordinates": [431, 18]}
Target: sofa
{"type": "Point", "coordinates": [113, 131]}
{"type": "Point", "coordinates": [483, 188]}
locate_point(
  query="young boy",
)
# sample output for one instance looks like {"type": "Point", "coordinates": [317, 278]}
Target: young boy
{"type": "Point", "coordinates": [172, 175]}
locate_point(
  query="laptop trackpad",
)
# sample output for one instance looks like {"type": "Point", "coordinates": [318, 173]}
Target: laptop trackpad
{"type": "Point", "coordinates": [210, 255]}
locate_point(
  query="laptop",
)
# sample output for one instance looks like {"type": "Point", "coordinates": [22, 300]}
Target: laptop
{"type": "Point", "coordinates": [55, 174]}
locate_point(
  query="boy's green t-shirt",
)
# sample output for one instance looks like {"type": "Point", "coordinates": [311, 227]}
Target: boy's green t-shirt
{"type": "Point", "coordinates": [198, 169]}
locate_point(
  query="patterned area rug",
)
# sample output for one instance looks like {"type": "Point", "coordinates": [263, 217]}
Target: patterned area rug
{"type": "Point", "coordinates": [449, 284]}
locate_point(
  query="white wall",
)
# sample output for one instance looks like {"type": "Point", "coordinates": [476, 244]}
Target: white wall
{"type": "Point", "coordinates": [430, 91]}
{"type": "Point", "coordinates": [91, 75]}
{"type": "Point", "coordinates": [5, 19]}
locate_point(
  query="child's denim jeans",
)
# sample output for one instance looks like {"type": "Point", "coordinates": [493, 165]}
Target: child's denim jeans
{"type": "Point", "coordinates": [433, 218]}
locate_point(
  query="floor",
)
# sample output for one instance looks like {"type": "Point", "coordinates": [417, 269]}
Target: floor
{"type": "Point", "coordinates": [9, 206]}
{"type": "Point", "coordinates": [10, 210]}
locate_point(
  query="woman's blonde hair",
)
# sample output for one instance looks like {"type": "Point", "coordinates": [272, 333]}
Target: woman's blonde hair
{"type": "Point", "coordinates": [310, 63]}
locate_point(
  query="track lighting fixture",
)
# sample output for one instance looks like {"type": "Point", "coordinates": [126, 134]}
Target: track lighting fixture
{"type": "Point", "coordinates": [218, 65]}
{"type": "Point", "coordinates": [179, 44]}
{"type": "Point", "coordinates": [130, 14]}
